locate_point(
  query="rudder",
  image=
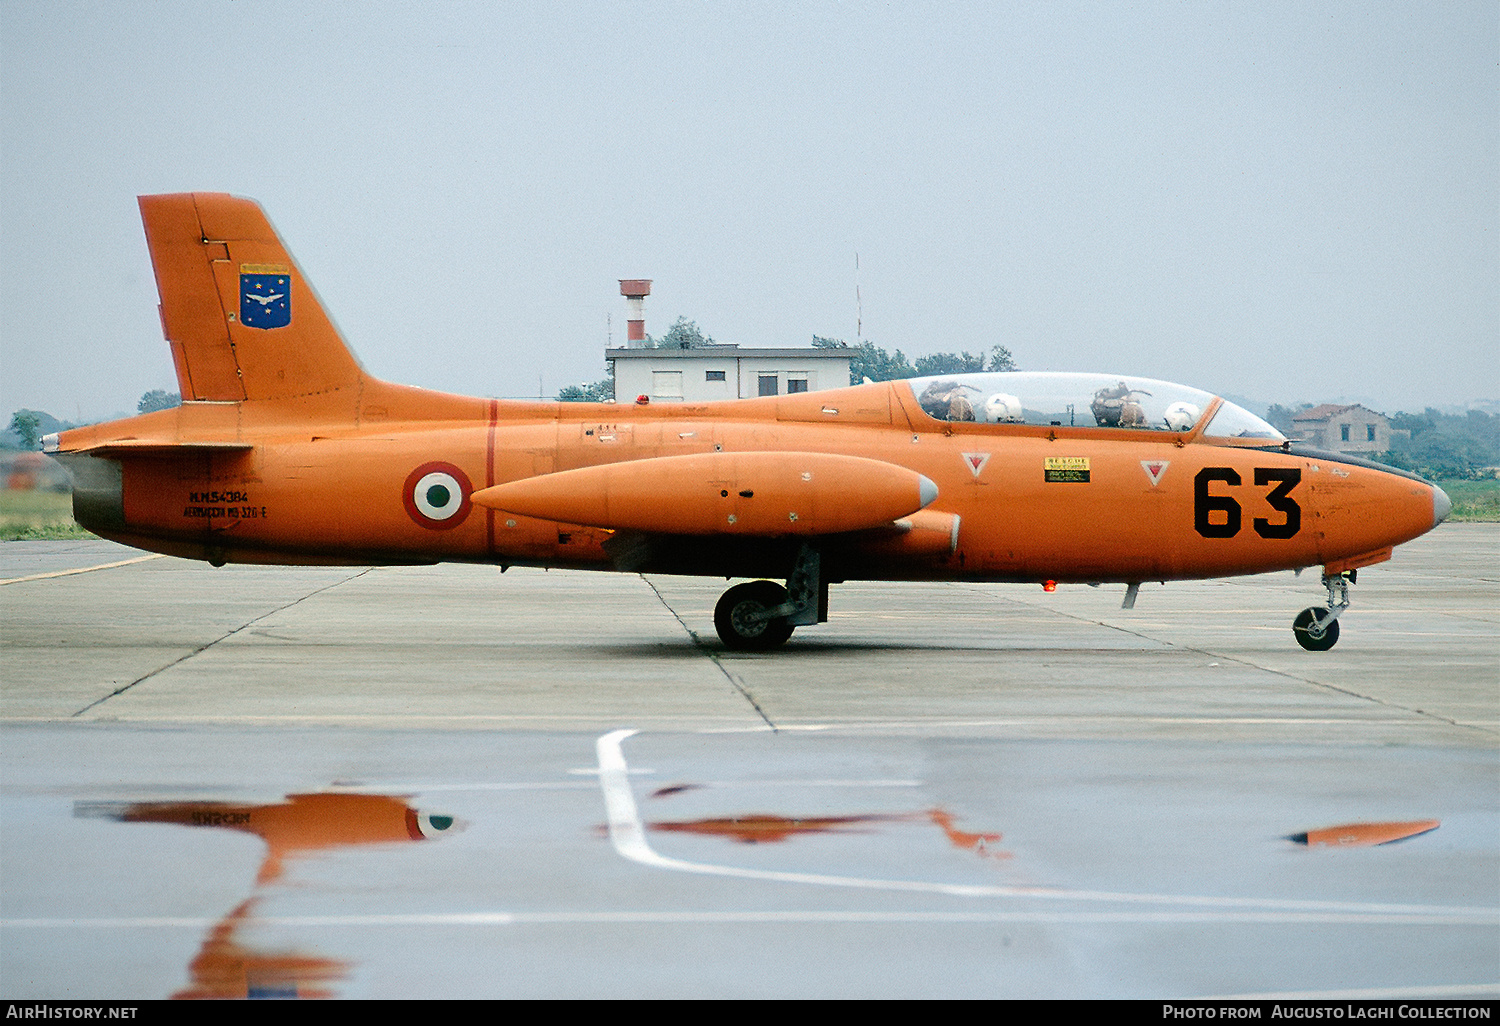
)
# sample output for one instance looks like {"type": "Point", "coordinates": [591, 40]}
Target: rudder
{"type": "Point", "coordinates": [242, 321]}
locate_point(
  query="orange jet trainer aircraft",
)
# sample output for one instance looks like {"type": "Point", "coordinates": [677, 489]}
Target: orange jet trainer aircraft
{"type": "Point", "coordinates": [285, 451]}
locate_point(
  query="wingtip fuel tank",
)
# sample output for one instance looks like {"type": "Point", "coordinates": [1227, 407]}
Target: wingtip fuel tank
{"type": "Point", "coordinates": [730, 493]}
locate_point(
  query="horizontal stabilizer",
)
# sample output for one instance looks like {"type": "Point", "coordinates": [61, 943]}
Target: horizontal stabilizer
{"type": "Point", "coordinates": [742, 493]}
{"type": "Point", "coordinates": [146, 447]}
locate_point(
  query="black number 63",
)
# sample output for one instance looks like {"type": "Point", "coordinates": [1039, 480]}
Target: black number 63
{"type": "Point", "coordinates": [1279, 499]}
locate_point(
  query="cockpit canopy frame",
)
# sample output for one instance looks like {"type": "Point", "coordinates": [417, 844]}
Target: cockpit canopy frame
{"type": "Point", "coordinates": [1116, 402]}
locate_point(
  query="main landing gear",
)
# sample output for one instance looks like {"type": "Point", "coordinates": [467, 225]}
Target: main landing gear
{"type": "Point", "coordinates": [1318, 629]}
{"type": "Point", "coordinates": [761, 615]}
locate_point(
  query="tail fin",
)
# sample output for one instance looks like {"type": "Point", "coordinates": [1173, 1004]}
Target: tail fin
{"type": "Point", "coordinates": [242, 321]}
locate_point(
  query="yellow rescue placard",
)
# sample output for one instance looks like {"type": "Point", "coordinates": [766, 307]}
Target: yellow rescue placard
{"type": "Point", "coordinates": [1066, 469]}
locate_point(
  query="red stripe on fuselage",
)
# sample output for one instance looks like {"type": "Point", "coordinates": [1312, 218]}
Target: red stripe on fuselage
{"type": "Point", "coordinates": [489, 476]}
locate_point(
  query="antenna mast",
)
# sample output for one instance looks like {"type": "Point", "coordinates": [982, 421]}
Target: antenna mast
{"type": "Point", "coordinates": [859, 310]}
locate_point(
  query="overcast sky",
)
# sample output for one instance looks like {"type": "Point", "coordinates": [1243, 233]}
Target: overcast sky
{"type": "Point", "coordinates": [1292, 202]}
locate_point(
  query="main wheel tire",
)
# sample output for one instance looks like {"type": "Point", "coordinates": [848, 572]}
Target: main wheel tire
{"type": "Point", "coordinates": [734, 617]}
{"type": "Point", "coordinates": [1308, 635]}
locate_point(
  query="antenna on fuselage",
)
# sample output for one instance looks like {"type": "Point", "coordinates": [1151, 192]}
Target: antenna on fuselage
{"type": "Point", "coordinates": [859, 310]}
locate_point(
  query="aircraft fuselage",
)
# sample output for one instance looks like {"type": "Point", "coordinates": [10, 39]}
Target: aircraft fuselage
{"type": "Point", "coordinates": [1120, 507]}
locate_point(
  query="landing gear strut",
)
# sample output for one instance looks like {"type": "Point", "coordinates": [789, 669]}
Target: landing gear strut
{"type": "Point", "coordinates": [760, 615]}
{"type": "Point", "coordinates": [1318, 629]}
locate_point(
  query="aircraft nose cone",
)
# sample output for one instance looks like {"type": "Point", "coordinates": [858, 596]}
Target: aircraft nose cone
{"type": "Point", "coordinates": [929, 491]}
{"type": "Point", "coordinates": [1441, 505]}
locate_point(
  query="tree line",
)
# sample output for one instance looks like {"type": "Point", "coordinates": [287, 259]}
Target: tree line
{"type": "Point", "coordinates": [27, 427]}
{"type": "Point", "coordinates": [867, 361]}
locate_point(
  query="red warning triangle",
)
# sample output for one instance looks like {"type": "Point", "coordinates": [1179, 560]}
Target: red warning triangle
{"type": "Point", "coordinates": [1155, 469]}
{"type": "Point", "coordinates": [976, 461]}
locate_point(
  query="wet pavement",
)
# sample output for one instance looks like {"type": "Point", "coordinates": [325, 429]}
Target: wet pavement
{"type": "Point", "coordinates": [419, 782]}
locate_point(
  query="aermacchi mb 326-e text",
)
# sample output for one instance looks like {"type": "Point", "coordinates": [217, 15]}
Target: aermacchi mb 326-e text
{"type": "Point", "coordinates": [285, 451]}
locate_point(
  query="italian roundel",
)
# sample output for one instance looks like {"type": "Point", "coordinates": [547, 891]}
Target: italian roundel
{"type": "Point", "coordinates": [437, 496]}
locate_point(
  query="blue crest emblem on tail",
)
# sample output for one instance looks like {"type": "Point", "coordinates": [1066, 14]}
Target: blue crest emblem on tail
{"type": "Point", "coordinates": [265, 295]}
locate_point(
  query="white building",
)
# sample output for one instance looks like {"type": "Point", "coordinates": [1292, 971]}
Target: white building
{"type": "Point", "coordinates": [724, 372]}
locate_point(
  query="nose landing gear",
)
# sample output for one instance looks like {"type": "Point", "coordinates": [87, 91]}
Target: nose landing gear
{"type": "Point", "coordinates": [1317, 630]}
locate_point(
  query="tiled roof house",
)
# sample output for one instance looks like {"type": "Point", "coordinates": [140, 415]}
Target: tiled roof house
{"type": "Point", "coordinates": [1343, 428]}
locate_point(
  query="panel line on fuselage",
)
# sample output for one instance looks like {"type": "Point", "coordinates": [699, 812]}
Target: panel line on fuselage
{"type": "Point", "coordinates": [489, 476]}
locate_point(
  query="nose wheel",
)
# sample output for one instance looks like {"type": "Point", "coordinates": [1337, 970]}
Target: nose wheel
{"type": "Point", "coordinates": [1311, 633]}
{"type": "Point", "coordinates": [1317, 630]}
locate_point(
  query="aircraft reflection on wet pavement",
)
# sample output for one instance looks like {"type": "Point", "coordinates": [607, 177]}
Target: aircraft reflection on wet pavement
{"type": "Point", "coordinates": [758, 828]}
{"type": "Point", "coordinates": [225, 968]}
{"type": "Point", "coordinates": [306, 826]}
{"type": "Point", "coordinates": [301, 826]}
{"type": "Point", "coordinates": [1364, 835]}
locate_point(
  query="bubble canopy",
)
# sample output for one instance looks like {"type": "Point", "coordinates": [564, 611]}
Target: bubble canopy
{"type": "Point", "coordinates": [1083, 400]}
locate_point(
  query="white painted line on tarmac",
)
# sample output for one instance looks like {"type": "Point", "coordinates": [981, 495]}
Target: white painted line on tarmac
{"type": "Point", "coordinates": [628, 835]}
{"type": "Point", "coordinates": [81, 569]}
{"type": "Point", "coordinates": [1053, 917]}
{"type": "Point", "coordinates": [417, 788]}
{"type": "Point", "coordinates": [1385, 719]}
{"type": "Point", "coordinates": [793, 782]}
{"type": "Point", "coordinates": [408, 787]}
